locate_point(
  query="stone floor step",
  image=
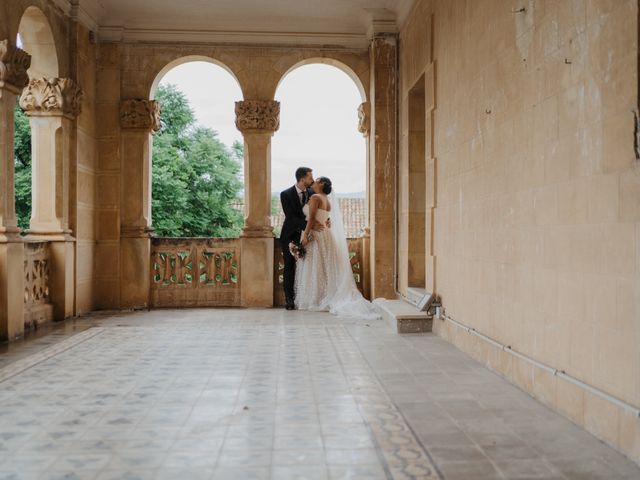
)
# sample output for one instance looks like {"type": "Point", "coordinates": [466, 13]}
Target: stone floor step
{"type": "Point", "coordinates": [414, 294]}
{"type": "Point", "coordinates": [404, 316]}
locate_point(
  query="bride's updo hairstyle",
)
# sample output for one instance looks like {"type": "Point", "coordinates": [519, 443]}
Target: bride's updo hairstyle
{"type": "Point", "coordinates": [326, 185]}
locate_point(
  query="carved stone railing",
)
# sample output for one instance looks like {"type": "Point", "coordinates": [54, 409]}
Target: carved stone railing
{"type": "Point", "coordinates": [359, 262]}
{"type": "Point", "coordinates": [356, 248]}
{"type": "Point", "coordinates": [195, 272]}
{"type": "Point", "coordinates": [37, 305]}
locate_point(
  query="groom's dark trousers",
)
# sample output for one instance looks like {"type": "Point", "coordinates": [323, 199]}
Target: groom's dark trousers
{"type": "Point", "coordinates": [293, 226]}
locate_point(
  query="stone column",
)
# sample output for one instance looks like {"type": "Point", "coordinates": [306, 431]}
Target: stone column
{"type": "Point", "coordinates": [257, 120]}
{"type": "Point", "coordinates": [13, 78]}
{"type": "Point", "coordinates": [383, 163]}
{"type": "Point", "coordinates": [139, 118]}
{"type": "Point", "coordinates": [52, 104]}
{"type": "Point", "coordinates": [364, 127]}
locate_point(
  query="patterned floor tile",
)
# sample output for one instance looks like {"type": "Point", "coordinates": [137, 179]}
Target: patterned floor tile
{"type": "Point", "coordinates": [270, 394]}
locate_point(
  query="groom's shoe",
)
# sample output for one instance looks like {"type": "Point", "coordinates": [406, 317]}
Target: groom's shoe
{"type": "Point", "coordinates": [290, 305]}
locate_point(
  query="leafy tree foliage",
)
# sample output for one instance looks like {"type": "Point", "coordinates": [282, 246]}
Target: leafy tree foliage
{"type": "Point", "coordinates": [196, 178]}
{"type": "Point", "coordinates": [276, 208]}
{"type": "Point", "coordinates": [22, 155]}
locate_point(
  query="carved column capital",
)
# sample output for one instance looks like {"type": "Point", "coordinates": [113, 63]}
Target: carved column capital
{"type": "Point", "coordinates": [14, 64]}
{"type": "Point", "coordinates": [52, 96]}
{"type": "Point", "coordinates": [137, 113]}
{"type": "Point", "coordinates": [364, 118]}
{"type": "Point", "coordinates": [258, 115]}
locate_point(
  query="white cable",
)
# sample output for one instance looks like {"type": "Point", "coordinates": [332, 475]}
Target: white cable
{"type": "Point", "coordinates": [554, 371]}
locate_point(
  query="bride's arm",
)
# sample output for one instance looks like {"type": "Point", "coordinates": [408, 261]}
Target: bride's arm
{"type": "Point", "coordinates": [313, 209]}
{"type": "Point", "coordinates": [318, 226]}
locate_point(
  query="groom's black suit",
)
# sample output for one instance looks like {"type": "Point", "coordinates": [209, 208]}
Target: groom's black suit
{"type": "Point", "coordinates": [292, 228]}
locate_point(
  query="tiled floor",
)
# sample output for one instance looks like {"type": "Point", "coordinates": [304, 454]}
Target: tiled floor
{"type": "Point", "coordinates": [244, 394]}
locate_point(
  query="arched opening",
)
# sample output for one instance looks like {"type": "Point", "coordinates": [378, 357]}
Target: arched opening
{"type": "Point", "coordinates": [36, 38]}
{"type": "Point", "coordinates": [344, 68]}
{"type": "Point", "coordinates": [319, 129]}
{"type": "Point", "coordinates": [197, 155]}
{"type": "Point", "coordinates": [319, 104]}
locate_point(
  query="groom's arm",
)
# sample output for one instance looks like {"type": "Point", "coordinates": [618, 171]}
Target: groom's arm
{"type": "Point", "coordinates": [289, 212]}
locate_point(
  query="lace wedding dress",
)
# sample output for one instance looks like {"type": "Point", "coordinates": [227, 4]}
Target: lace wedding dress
{"type": "Point", "coordinates": [324, 279]}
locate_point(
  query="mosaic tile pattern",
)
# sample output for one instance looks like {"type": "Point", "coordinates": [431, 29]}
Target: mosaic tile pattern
{"type": "Point", "coordinates": [405, 457]}
{"type": "Point", "coordinates": [210, 398]}
{"type": "Point", "coordinates": [22, 364]}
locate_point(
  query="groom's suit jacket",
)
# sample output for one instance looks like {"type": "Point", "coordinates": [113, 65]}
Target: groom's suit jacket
{"type": "Point", "coordinates": [294, 220]}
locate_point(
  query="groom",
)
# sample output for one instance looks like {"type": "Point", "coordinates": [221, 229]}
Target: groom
{"type": "Point", "coordinates": [293, 199]}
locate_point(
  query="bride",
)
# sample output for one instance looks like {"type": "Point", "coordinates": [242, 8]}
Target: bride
{"type": "Point", "coordinates": [324, 279]}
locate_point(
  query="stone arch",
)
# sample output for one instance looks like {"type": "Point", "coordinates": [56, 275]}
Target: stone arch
{"type": "Point", "coordinates": [162, 69]}
{"type": "Point", "coordinates": [353, 80]}
{"type": "Point", "coordinates": [37, 39]}
{"type": "Point", "coordinates": [334, 63]}
{"type": "Point", "coordinates": [187, 59]}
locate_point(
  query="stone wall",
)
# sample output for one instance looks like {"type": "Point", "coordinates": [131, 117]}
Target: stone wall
{"type": "Point", "coordinates": [83, 191]}
{"type": "Point", "coordinates": [107, 252]}
{"type": "Point", "coordinates": [536, 221]}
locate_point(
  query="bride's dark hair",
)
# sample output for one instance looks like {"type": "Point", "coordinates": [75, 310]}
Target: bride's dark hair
{"type": "Point", "coordinates": [326, 185]}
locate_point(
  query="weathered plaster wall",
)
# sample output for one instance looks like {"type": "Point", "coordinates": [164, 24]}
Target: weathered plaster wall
{"type": "Point", "coordinates": [536, 224]}
{"type": "Point", "coordinates": [83, 181]}
{"type": "Point", "coordinates": [107, 197]}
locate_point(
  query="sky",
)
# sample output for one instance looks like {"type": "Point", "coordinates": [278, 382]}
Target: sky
{"type": "Point", "coordinates": [318, 120]}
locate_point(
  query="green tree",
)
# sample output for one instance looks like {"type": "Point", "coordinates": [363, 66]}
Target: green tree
{"type": "Point", "coordinates": [22, 155]}
{"type": "Point", "coordinates": [170, 187]}
{"type": "Point", "coordinates": [276, 208]}
{"type": "Point", "coordinates": [237, 150]}
{"type": "Point", "coordinates": [195, 176]}
{"type": "Point", "coordinates": [177, 117]}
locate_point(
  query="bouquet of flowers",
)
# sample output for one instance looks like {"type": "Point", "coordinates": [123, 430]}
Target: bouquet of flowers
{"type": "Point", "coordinates": [297, 250]}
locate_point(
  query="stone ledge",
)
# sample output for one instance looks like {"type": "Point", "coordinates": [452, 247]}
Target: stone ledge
{"type": "Point", "coordinates": [404, 317]}
{"type": "Point", "coordinates": [414, 295]}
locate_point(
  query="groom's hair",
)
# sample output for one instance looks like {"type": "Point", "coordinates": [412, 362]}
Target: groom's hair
{"type": "Point", "coordinates": [301, 172]}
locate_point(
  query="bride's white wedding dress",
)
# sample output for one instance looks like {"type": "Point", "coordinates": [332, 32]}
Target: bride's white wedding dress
{"type": "Point", "coordinates": [324, 279]}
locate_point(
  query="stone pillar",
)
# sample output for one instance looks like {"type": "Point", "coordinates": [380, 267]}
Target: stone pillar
{"type": "Point", "coordinates": [364, 127]}
{"type": "Point", "coordinates": [52, 104]}
{"type": "Point", "coordinates": [13, 78]}
{"type": "Point", "coordinates": [257, 120]}
{"type": "Point", "coordinates": [383, 163]}
{"type": "Point", "coordinates": [139, 118]}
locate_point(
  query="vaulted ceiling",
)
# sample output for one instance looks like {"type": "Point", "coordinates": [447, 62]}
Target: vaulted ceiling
{"type": "Point", "coordinates": [338, 21]}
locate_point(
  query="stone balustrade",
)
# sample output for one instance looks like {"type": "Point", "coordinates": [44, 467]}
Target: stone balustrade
{"type": "Point", "coordinates": [205, 272]}
{"type": "Point", "coordinates": [195, 272]}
